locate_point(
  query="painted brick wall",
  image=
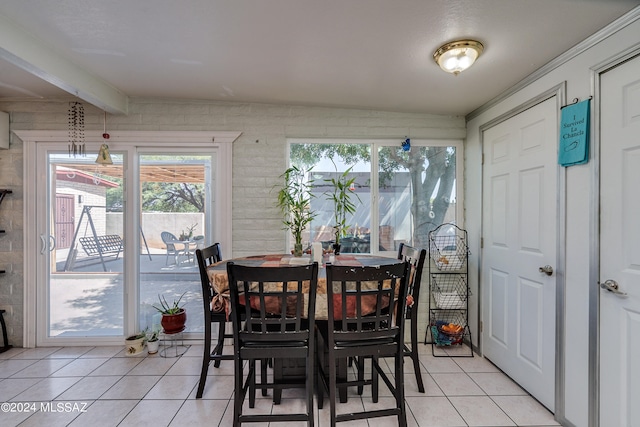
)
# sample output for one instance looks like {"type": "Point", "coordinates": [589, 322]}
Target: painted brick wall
{"type": "Point", "coordinates": [259, 157]}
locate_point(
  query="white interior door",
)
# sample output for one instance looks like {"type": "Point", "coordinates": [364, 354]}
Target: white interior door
{"type": "Point", "coordinates": [620, 246]}
{"type": "Point", "coordinates": [519, 237]}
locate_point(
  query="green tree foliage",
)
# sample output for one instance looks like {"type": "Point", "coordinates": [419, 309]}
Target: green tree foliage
{"type": "Point", "coordinates": [429, 168]}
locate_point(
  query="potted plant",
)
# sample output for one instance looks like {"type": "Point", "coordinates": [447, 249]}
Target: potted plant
{"type": "Point", "coordinates": [343, 205]}
{"type": "Point", "coordinates": [294, 200]}
{"type": "Point", "coordinates": [174, 316]}
{"type": "Point", "coordinates": [153, 341]}
{"type": "Point", "coordinates": [134, 343]}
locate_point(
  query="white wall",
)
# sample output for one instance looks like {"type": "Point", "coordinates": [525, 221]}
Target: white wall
{"type": "Point", "coordinates": [259, 158]}
{"type": "Point", "coordinates": [579, 198]}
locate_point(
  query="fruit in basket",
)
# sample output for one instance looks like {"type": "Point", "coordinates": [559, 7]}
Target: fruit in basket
{"type": "Point", "coordinates": [443, 260]}
{"type": "Point", "coordinates": [452, 329]}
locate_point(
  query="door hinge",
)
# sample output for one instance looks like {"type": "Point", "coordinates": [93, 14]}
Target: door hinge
{"type": "Point", "coordinates": [481, 326]}
{"type": "Point", "coordinates": [482, 161]}
{"type": "Point", "coordinates": [481, 242]}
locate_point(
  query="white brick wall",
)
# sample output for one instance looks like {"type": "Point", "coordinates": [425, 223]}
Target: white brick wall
{"type": "Point", "coordinates": [259, 157]}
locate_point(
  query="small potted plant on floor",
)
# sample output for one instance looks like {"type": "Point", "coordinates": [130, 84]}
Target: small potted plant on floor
{"type": "Point", "coordinates": [134, 344]}
{"type": "Point", "coordinates": [174, 316]}
{"type": "Point", "coordinates": [294, 200]}
{"type": "Point", "coordinates": [343, 205]}
{"type": "Point", "coordinates": [153, 341]}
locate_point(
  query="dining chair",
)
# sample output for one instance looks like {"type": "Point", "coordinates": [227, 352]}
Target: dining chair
{"type": "Point", "coordinates": [214, 312]}
{"type": "Point", "coordinates": [364, 304]}
{"type": "Point", "coordinates": [278, 304]}
{"type": "Point", "coordinates": [416, 258]}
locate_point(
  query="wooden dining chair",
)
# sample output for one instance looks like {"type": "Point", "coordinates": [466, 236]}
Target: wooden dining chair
{"type": "Point", "coordinates": [207, 256]}
{"type": "Point", "coordinates": [363, 306]}
{"type": "Point", "coordinates": [278, 304]}
{"type": "Point", "coordinates": [416, 258]}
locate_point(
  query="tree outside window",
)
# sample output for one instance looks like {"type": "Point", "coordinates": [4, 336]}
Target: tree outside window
{"type": "Point", "coordinates": [415, 191]}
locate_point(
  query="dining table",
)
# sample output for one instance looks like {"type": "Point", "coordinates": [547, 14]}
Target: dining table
{"type": "Point", "coordinates": [293, 369]}
{"type": "Point", "coordinates": [219, 281]}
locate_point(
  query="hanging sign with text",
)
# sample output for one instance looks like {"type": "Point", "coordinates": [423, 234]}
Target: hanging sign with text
{"type": "Point", "coordinates": [574, 134]}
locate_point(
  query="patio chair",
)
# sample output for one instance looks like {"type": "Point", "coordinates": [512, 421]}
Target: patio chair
{"type": "Point", "coordinates": [169, 241]}
{"type": "Point", "coordinates": [416, 258]}
{"type": "Point", "coordinates": [207, 256]}
{"type": "Point", "coordinates": [278, 304]}
{"type": "Point", "coordinates": [363, 306]}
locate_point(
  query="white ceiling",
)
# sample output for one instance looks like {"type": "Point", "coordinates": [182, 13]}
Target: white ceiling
{"type": "Point", "coordinates": [373, 54]}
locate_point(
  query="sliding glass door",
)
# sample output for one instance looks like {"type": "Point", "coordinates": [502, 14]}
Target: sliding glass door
{"type": "Point", "coordinates": [108, 241]}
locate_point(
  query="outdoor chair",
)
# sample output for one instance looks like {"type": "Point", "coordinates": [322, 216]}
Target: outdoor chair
{"type": "Point", "coordinates": [167, 239]}
{"type": "Point", "coordinates": [214, 312]}
{"type": "Point", "coordinates": [416, 258]}
{"type": "Point", "coordinates": [278, 304]}
{"type": "Point", "coordinates": [363, 306]}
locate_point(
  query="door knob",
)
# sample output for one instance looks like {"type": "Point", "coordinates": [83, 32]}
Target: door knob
{"type": "Point", "coordinates": [612, 286]}
{"type": "Point", "coordinates": [547, 269]}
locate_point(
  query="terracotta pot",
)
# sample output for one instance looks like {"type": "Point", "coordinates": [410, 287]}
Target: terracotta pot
{"type": "Point", "coordinates": [174, 323]}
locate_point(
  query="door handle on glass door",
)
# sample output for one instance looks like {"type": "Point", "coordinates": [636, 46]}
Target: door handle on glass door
{"type": "Point", "coordinates": [612, 286]}
{"type": "Point", "coordinates": [547, 269]}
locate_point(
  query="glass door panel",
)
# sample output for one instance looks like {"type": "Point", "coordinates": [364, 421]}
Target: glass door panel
{"type": "Point", "coordinates": [85, 246]}
{"type": "Point", "coordinates": [176, 200]}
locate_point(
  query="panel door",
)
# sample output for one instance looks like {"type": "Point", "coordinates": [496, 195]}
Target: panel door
{"type": "Point", "coordinates": [620, 246]}
{"type": "Point", "coordinates": [519, 237]}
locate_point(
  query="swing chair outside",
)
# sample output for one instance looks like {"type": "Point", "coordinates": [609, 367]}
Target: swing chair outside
{"type": "Point", "coordinates": [95, 246]}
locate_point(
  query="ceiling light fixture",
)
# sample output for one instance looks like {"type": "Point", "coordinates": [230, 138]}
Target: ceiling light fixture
{"type": "Point", "coordinates": [457, 56]}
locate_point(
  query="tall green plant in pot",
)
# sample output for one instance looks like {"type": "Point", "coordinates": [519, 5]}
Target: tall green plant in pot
{"type": "Point", "coordinates": [294, 201]}
{"type": "Point", "coordinates": [343, 204]}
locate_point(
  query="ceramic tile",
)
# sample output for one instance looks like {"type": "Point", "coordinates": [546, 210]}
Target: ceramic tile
{"type": "Point", "coordinates": [480, 411]}
{"type": "Point", "coordinates": [108, 351]}
{"type": "Point", "coordinates": [430, 386]}
{"type": "Point", "coordinates": [130, 387]}
{"type": "Point", "coordinates": [36, 353]}
{"type": "Point", "coordinates": [153, 366]}
{"type": "Point", "coordinates": [525, 410]}
{"type": "Point", "coordinates": [496, 383]}
{"type": "Point", "coordinates": [79, 367]}
{"type": "Point", "coordinates": [439, 364]}
{"type": "Point", "coordinates": [200, 412]}
{"type": "Point", "coordinates": [173, 387]}
{"type": "Point", "coordinates": [10, 367]}
{"type": "Point", "coordinates": [53, 416]}
{"type": "Point", "coordinates": [434, 412]}
{"type": "Point", "coordinates": [153, 413]}
{"type": "Point", "coordinates": [191, 366]}
{"type": "Point", "coordinates": [70, 352]}
{"type": "Point", "coordinates": [89, 388]}
{"type": "Point", "coordinates": [45, 390]}
{"type": "Point", "coordinates": [105, 413]}
{"type": "Point", "coordinates": [475, 364]}
{"type": "Point", "coordinates": [13, 386]}
{"type": "Point", "coordinates": [120, 390]}
{"type": "Point", "coordinates": [116, 366]}
{"type": "Point", "coordinates": [457, 385]}
{"type": "Point", "coordinates": [42, 368]}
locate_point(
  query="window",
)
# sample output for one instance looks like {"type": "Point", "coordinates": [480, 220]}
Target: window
{"type": "Point", "coordinates": [400, 195]}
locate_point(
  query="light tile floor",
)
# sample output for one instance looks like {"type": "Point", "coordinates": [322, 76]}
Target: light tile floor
{"type": "Point", "coordinates": [101, 386]}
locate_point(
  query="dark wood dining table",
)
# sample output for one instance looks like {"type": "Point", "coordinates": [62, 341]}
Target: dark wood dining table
{"type": "Point", "coordinates": [288, 369]}
{"type": "Point", "coordinates": [218, 273]}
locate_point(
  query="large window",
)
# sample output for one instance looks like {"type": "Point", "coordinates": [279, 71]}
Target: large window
{"type": "Point", "coordinates": [400, 195]}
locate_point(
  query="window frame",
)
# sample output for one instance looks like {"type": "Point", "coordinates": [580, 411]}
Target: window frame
{"type": "Point", "coordinates": [377, 143]}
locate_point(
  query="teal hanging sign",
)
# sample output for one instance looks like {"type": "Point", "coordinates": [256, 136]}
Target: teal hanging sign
{"type": "Point", "coordinates": [574, 134]}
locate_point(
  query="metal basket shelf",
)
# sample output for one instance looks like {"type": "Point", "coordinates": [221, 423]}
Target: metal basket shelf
{"type": "Point", "coordinates": [450, 291]}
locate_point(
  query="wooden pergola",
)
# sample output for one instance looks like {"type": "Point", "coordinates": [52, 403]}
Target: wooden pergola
{"type": "Point", "coordinates": [157, 172]}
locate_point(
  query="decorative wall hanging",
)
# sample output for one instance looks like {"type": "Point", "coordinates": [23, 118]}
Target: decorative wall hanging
{"type": "Point", "coordinates": [574, 134]}
{"type": "Point", "coordinates": [76, 129]}
{"type": "Point", "coordinates": [104, 157]}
